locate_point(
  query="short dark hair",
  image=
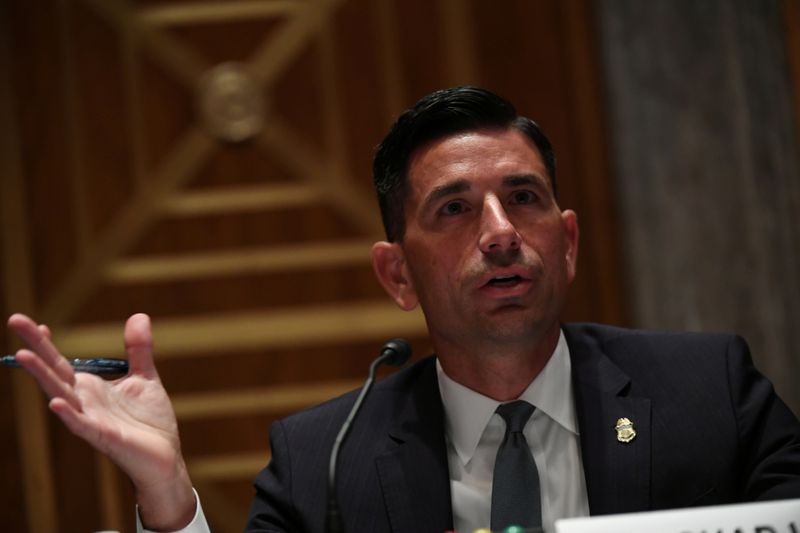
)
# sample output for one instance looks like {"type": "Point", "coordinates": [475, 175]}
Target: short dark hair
{"type": "Point", "coordinates": [438, 115]}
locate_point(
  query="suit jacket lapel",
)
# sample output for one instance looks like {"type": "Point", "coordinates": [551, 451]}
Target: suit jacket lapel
{"type": "Point", "coordinates": [617, 473]}
{"type": "Point", "coordinates": [413, 472]}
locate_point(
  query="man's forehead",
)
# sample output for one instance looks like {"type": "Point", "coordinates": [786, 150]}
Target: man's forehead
{"type": "Point", "coordinates": [507, 157]}
{"type": "Point", "coordinates": [461, 144]}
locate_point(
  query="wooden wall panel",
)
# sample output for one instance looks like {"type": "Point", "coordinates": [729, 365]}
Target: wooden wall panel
{"type": "Point", "coordinates": [250, 250]}
{"type": "Point", "coordinates": [25, 451]}
{"type": "Point", "coordinates": [791, 11]}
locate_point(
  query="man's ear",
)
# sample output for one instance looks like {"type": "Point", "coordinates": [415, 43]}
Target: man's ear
{"type": "Point", "coordinates": [389, 263]}
{"type": "Point", "coordinates": [572, 235]}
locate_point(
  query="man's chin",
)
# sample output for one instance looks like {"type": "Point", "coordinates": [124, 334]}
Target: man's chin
{"type": "Point", "coordinates": [510, 325]}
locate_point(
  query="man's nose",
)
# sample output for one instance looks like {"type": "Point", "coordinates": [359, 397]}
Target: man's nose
{"type": "Point", "coordinates": [498, 234]}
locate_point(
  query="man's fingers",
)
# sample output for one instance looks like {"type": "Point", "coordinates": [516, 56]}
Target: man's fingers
{"type": "Point", "coordinates": [38, 340]}
{"type": "Point", "coordinates": [45, 331]}
{"type": "Point", "coordinates": [49, 381]}
{"type": "Point", "coordinates": [139, 345]}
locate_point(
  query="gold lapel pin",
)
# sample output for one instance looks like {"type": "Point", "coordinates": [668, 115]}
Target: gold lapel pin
{"type": "Point", "coordinates": [625, 430]}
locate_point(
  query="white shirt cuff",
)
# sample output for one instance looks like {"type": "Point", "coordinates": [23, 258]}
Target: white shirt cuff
{"type": "Point", "coordinates": [197, 525]}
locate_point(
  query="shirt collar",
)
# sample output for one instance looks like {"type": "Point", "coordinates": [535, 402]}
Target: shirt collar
{"type": "Point", "coordinates": [467, 413]}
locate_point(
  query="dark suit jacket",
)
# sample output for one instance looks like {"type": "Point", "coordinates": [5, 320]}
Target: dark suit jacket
{"type": "Point", "coordinates": [710, 430]}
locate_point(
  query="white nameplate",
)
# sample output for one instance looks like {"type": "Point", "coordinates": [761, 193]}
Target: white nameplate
{"type": "Point", "coordinates": [768, 517]}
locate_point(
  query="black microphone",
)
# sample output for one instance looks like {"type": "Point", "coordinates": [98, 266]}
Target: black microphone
{"type": "Point", "coordinates": [395, 352]}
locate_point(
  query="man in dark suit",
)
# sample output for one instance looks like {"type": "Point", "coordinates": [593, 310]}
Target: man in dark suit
{"type": "Point", "coordinates": [709, 431]}
{"type": "Point", "coordinates": [475, 236]}
{"type": "Point", "coordinates": [614, 420]}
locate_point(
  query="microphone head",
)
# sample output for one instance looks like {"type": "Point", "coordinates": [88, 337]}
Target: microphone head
{"type": "Point", "coordinates": [398, 351]}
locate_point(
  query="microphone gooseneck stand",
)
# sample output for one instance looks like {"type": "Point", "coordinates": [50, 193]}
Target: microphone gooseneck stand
{"type": "Point", "coordinates": [395, 353]}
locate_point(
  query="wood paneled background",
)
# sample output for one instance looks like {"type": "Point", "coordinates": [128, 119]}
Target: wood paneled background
{"type": "Point", "coordinates": [209, 163]}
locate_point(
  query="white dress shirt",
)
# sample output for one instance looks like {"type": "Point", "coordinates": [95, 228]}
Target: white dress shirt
{"type": "Point", "coordinates": [474, 432]}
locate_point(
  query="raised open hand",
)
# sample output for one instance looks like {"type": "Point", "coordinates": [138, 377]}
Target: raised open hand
{"type": "Point", "coordinates": [130, 419]}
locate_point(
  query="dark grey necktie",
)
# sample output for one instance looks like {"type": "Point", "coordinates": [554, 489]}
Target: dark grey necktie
{"type": "Point", "coordinates": [515, 487]}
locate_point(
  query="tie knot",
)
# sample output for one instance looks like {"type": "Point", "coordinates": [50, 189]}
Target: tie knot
{"type": "Point", "coordinates": [516, 414]}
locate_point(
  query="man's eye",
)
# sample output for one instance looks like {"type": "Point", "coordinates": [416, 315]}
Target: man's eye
{"type": "Point", "coordinates": [523, 197]}
{"type": "Point", "coordinates": [453, 208]}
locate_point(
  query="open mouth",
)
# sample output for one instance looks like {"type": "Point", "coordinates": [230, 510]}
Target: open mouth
{"type": "Point", "coordinates": [504, 281]}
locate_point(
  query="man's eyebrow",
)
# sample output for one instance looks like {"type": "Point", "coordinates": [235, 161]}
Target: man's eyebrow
{"type": "Point", "coordinates": [447, 189]}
